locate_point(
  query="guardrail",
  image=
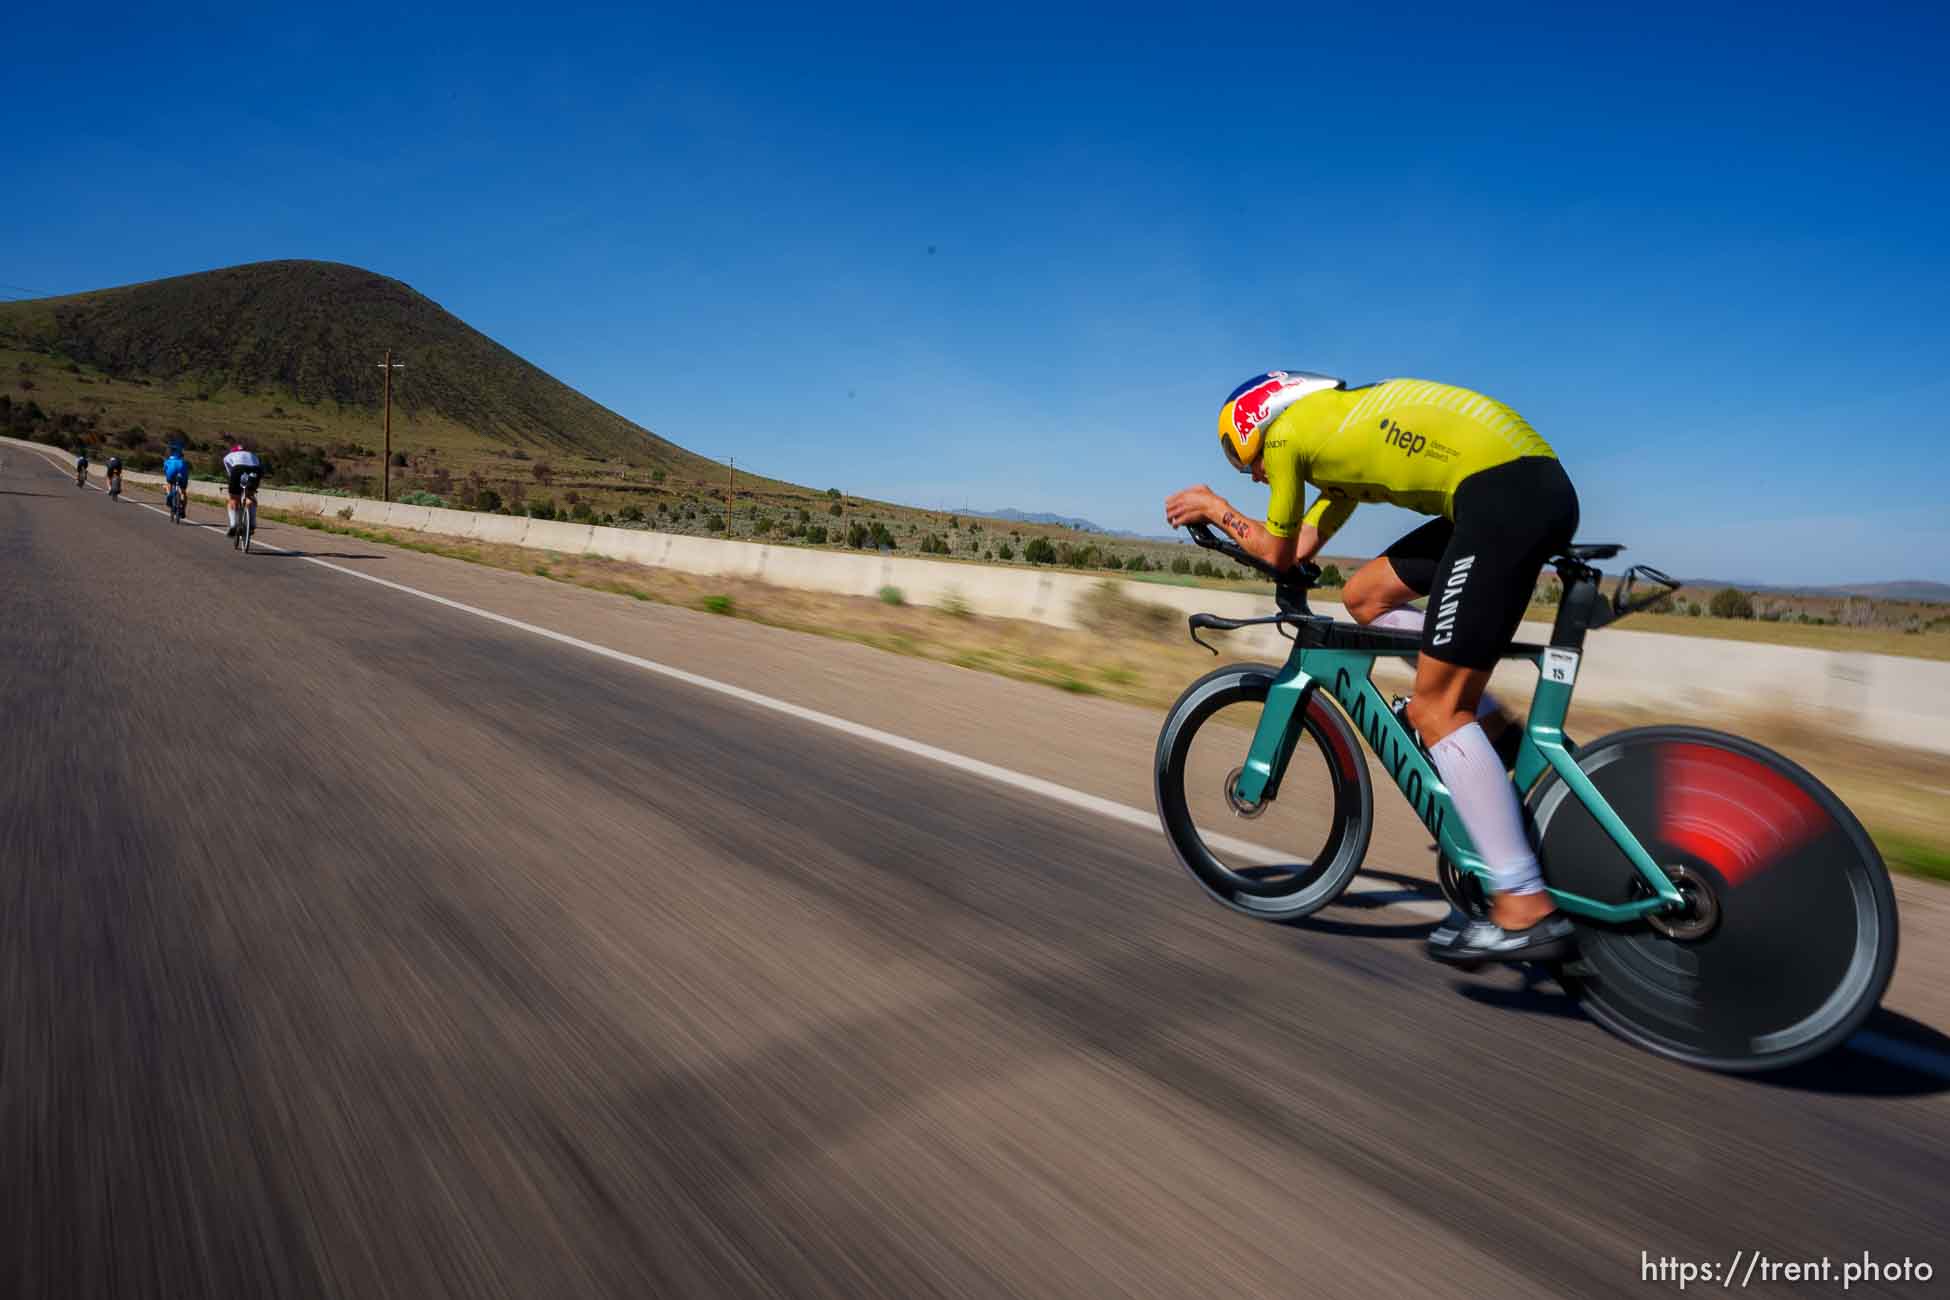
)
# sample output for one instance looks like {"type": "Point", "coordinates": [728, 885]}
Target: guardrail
{"type": "Point", "coordinates": [1893, 699]}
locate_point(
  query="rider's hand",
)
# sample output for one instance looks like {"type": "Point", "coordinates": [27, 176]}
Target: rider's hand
{"type": "Point", "coordinates": [1195, 505]}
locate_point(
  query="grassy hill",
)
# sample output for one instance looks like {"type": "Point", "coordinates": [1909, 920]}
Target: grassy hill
{"type": "Point", "coordinates": [287, 353]}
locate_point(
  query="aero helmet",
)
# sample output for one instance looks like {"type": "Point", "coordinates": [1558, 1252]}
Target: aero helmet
{"type": "Point", "coordinates": [1256, 404]}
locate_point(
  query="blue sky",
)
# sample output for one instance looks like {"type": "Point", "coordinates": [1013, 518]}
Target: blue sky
{"type": "Point", "coordinates": [950, 255]}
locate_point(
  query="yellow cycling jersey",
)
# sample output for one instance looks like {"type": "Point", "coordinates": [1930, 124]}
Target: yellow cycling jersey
{"type": "Point", "coordinates": [1405, 442]}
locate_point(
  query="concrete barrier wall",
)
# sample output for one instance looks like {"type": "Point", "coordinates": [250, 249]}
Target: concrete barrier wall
{"type": "Point", "coordinates": [1891, 698]}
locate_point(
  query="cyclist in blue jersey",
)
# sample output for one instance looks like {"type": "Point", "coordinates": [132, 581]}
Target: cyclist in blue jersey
{"type": "Point", "coordinates": [176, 473]}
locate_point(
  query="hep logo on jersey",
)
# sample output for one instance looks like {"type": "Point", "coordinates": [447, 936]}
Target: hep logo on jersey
{"type": "Point", "coordinates": [1395, 436]}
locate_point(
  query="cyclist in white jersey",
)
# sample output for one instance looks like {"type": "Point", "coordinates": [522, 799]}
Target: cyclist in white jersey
{"type": "Point", "coordinates": [242, 469]}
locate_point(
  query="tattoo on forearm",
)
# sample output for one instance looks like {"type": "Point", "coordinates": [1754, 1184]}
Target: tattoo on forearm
{"type": "Point", "coordinates": [1236, 524]}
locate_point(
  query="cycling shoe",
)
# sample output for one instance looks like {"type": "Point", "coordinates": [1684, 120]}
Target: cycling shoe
{"type": "Point", "coordinates": [1461, 941]}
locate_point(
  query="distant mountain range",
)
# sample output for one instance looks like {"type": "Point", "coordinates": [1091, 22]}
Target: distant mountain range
{"type": "Point", "coordinates": [1025, 517]}
{"type": "Point", "coordinates": [1076, 524]}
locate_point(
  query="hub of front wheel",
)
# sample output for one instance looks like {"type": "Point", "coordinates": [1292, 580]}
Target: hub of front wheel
{"type": "Point", "coordinates": [1240, 807]}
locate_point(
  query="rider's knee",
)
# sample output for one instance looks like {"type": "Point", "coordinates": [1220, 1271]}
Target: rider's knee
{"type": "Point", "coordinates": [1363, 600]}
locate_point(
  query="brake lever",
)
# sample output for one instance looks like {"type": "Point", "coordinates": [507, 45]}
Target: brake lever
{"type": "Point", "coordinates": [1213, 621]}
{"type": "Point", "coordinates": [1221, 624]}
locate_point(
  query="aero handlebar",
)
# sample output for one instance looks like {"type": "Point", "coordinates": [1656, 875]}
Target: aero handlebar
{"type": "Point", "coordinates": [1299, 578]}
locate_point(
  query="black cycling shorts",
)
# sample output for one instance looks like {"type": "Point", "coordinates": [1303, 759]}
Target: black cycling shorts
{"type": "Point", "coordinates": [1480, 569]}
{"type": "Point", "coordinates": [243, 478]}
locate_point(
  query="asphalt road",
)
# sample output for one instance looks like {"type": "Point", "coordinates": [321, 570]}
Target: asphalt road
{"type": "Point", "coordinates": [351, 944]}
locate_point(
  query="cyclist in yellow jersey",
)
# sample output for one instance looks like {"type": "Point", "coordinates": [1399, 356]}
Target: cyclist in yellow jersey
{"type": "Point", "coordinates": [1502, 506]}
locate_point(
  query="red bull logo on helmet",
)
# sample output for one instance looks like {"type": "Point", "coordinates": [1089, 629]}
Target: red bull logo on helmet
{"type": "Point", "coordinates": [1252, 403]}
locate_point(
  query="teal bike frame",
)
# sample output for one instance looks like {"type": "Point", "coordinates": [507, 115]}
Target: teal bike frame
{"type": "Point", "coordinates": [1347, 675]}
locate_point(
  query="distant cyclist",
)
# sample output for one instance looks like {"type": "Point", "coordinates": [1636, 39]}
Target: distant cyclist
{"type": "Point", "coordinates": [114, 476]}
{"type": "Point", "coordinates": [242, 471]}
{"type": "Point", "coordinates": [81, 469]}
{"type": "Point", "coordinates": [1502, 506]}
{"type": "Point", "coordinates": [176, 473]}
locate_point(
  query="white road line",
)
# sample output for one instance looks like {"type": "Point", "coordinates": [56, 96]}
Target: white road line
{"type": "Point", "coordinates": [1924, 1060]}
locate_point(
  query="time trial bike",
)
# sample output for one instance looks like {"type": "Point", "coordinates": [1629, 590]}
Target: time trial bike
{"type": "Point", "coordinates": [246, 512]}
{"type": "Point", "coordinates": [1730, 911]}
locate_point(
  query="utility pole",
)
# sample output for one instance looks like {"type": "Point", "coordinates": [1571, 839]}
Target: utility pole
{"type": "Point", "coordinates": [732, 493]}
{"type": "Point", "coordinates": [386, 463]}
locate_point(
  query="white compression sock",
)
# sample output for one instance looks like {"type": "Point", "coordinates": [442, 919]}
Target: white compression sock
{"type": "Point", "coordinates": [1407, 618]}
{"type": "Point", "coordinates": [233, 515]}
{"type": "Point", "coordinates": [1487, 803]}
{"type": "Point", "coordinates": [1402, 618]}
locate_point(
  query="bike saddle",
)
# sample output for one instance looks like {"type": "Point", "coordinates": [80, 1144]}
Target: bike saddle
{"type": "Point", "coordinates": [1590, 551]}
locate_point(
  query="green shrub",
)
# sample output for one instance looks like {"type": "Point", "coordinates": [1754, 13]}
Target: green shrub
{"type": "Point", "coordinates": [834, 510]}
{"type": "Point", "coordinates": [1330, 576]}
{"type": "Point", "coordinates": [419, 499]}
{"type": "Point", "coordinates": [1039, 551]}
{"type": "Point", "coordinates": [1730, 602]}
{"type": "Point", "coordinates": [1114, 563]}
{"type": "Point", "coordinates": [714, 522]}
{"type": "Point", "coordinates": [816, 534]}
{"type": "Point", "coordinates": [488, 500]}
{"type": "Point", "coordinates": [955, 605]}
{"type": "Point", "coordinates": [892, 596]}
{"type": "Point", "coordinates": [657, 476]}
{"type": "Point", "coordinates": [631, 514]}
{"type": "Point", "coordinates": [1004, 551]}
{"type": "Point", "coordinates": [719, 604]}
{"type": "Point", "coordinates": [1181, 564]}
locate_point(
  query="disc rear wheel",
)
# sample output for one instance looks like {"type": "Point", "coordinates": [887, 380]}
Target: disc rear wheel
{"type": "Point", "coordinates": [1788, 935]}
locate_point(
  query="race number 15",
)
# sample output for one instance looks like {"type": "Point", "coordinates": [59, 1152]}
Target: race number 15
{"type": "Point", "coordinates": [1561, 666]}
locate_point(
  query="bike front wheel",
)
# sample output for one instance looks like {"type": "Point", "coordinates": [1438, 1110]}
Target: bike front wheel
{"type": "Point", "coordinates": [1788, 937]}
{"type": "Point", "coordinates": [1296, 852]}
